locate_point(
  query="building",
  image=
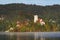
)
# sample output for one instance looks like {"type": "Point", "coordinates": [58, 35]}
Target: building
{"type": "Point", "coordinates": [36, 19]}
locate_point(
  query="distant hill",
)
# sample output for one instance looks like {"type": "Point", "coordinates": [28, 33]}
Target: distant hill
{"type": "Point", "coordinates": [27, 11]}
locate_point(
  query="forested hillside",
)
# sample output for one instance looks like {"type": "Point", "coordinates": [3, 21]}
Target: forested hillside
{"type": "Point", "coordinates": [24, 14]}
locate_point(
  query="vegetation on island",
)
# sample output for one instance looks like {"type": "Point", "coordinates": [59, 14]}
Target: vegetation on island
{"type": "Point", "coordinates": [24, 14]}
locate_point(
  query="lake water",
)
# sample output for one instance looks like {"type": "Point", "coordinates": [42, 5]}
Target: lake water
{"type": "Point", "coordinates": [29, 35]}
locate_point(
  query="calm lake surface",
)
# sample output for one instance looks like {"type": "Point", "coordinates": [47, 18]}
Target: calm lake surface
{"type": "Point", "coordinates": [29, 35]}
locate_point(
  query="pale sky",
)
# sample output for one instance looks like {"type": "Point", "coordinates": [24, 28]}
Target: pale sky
{"type": "Point", "coordinates": [37, 2]}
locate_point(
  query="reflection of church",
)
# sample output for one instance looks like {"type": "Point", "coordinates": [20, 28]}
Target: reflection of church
{"type": "Point", "coordinates": [36, 19]}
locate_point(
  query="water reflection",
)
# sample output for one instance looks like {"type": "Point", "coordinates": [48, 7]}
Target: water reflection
{"type": "Point", "coordinates": [30, 36]}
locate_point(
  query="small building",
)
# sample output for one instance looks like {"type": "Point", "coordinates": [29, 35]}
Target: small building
{"type": "Point", "coordinates": [36, 19]}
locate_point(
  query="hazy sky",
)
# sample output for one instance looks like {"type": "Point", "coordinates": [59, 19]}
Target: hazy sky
{"type": "Point", "coordinates": [37, 2]}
